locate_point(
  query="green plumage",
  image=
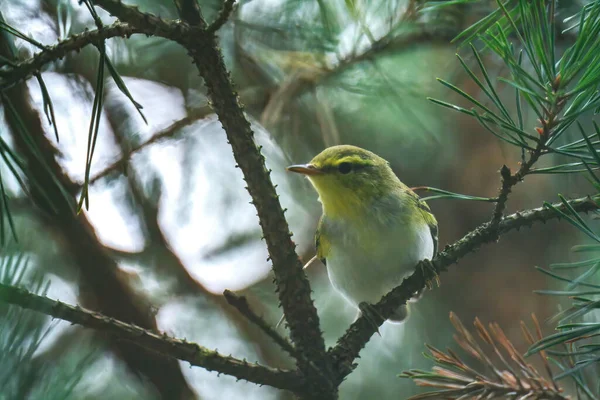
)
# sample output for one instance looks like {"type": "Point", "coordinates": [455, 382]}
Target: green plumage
{"type": "Point", "coordinates": [374, 229]}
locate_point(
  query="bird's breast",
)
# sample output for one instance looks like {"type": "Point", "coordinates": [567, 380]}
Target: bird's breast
{"type": "Point", "coordinates": [368, 259]}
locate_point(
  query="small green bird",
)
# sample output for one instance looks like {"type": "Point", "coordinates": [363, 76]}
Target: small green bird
{"type": "Point", "coordinates": [374, 229]}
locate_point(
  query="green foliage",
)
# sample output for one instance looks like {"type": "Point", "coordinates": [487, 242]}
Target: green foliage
{"type": "Point", "coordinates": [98, 107]}
{"type": "Point", "coordinates": [445, 194]}
{"type": "Point", "coordinates": [11, 160]}
{"type": "Point", "coordinates": [578, 325]}
{"type": "Point", "coordinates": [511, 377]}
{"type": "Point", "coordinates": [9, 157]}
{"type": "Point", "coordinates": [23, 374]}
{"type": "Point", "coordinates": [558, 86]}
{"type": "Point", "coordinates": [17, 166]}
{"type": "Point", "coordinates": [558, 89]}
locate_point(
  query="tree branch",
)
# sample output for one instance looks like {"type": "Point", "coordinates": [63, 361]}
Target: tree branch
{"type": "Point", "coordinates": [161, 343]}
{"type": "Point", "coordinates": [189, 11]}
{"type": "Point", "coordinates": [76, 236]}
{"type": "Point", "coordinates": [241, 304]}
{"type": "Point", "coordinates": [10, 76]}
{"type": "Point", "coordinates": [292, 284]}
{"type": "Point", "coordinates": [509, 180]}
{"type": "Point", "coordinates": [395, 44]}
{"type": "Point", "coordinates": [168, 132]}
{"type": "Point", "coordinates": [178, 31]}
{"type": "Point", "coordinates": [354, 339]}
{"type": "Point", "coordinates": [222, 17]}
{"type": "Point", "coordinates": [389, 43]}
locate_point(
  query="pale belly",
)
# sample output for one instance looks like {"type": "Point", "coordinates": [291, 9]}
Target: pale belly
{"type": "Point", "coordinates": [366, 275]}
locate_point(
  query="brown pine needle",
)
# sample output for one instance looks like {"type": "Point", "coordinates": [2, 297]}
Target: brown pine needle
{"type": "Point", "coordinates": [510, 378]}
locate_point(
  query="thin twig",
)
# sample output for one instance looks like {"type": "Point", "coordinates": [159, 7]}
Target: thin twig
{"type": "Point", "coordinates": [169, 132]}
{"type": "Point", "coordinates": [243, 307]}
{"type": "Point", "coordinates": [507, 184]}
{"type": "Point", "coordinates": [223, 16]}
{"type": "Point", "coordinates": [161, 343]}
{"type": "Point", "coordinates": [358, 334]}
{"type": "Point", "coordinates": [300, 83]}
{"type": "Point", "coordinates": [509, 180]}
{"type": "Point", "coordinates": [189, 11]}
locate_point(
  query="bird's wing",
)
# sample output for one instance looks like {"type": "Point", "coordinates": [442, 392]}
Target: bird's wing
{"type": "Point", "coordinates": [323, 245]}
{"type": "Point", "coordinates": [429, 219]}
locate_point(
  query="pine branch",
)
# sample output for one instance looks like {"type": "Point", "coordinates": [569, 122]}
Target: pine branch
{"type": "Point", "coordinates": [241, 304]}
{"type": "Point", "coordinates": [292, 284]}
{"type": "Point", "coordinates": [178, 31]}
{"type": "Point", "coordinates": [161, 343]}
{"type": "Point", "coordinates": [189, 11]}
{"type": "Point", "coordinates": [298, 84]}
{"type": "Point", "coordinates": [12, 75]}
{"type": "Point", "coordinates": [358, 334]}
{"type": "Point", "coordinates": [510, 377]}
{"type": "Point", "coordinates": [509, 180]}
{"type": "Point", "coordinates": [98, 272]}
{"type": "Point", "coordinates": [223, 16]}
{"type": "Point", "coordinates": [164, 260]}
{"type": "Point", "coordinates": [390, 44]}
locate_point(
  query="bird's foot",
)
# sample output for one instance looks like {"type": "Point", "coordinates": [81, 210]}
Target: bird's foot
{"type": "Point", "coordinates": [428, 267]}
{"type": "Point", "coordinates": [371, 315]}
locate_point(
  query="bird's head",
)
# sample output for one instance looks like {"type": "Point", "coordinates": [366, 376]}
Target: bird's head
{"type": "Point", "coordinates": [348, 178]}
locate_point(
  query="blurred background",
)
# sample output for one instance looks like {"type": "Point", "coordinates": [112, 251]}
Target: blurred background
{"type": "Point", "coordinates": [171, 218]}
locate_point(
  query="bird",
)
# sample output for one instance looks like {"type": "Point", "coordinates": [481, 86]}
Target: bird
{"type": "Point", "coordinates": [373, 230]}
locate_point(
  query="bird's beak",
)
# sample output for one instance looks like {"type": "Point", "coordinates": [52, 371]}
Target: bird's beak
{"type": "Point", "coordinates": [306, 169]}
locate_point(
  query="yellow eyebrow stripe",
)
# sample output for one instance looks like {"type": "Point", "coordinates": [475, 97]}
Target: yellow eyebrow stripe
{"type": "Point", "coordinates": [354, 160]}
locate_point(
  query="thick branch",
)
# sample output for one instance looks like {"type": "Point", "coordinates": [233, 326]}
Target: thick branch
{"type": "Point", "coordinates": [294, 289]}
{"type": "Point", "coordinates": [292, 284]}
{"type": "Point", "coordinates": [194, 354]}
{"type": "Point", "coordinates": [359, 333]}
{"type": "Point", "coordinates": [179, 31]}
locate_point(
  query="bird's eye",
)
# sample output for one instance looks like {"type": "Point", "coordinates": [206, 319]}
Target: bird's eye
{"type": "Point", "coordinates": [345, 167]}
